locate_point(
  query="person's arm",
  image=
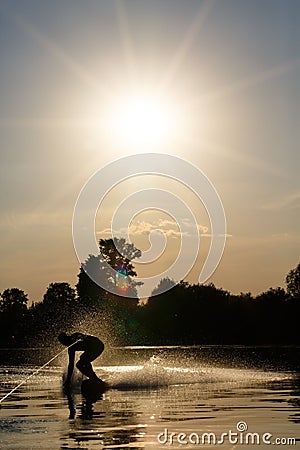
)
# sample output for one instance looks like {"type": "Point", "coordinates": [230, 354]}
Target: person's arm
{"type": "Point", "coordinates": [71, 352]}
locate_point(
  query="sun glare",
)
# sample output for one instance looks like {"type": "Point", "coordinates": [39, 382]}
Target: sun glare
{"type": "Point", "coordinates": [142, 121]}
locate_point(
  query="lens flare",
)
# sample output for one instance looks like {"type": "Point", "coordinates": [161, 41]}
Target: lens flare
{"type": "Point", "coordinates": [122, 280]}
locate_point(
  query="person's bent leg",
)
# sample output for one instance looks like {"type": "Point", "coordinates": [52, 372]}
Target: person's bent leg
{"type": "Point", "coordinates": [84, 363]}
{"type": "Point", "coordinates": [85, 367]}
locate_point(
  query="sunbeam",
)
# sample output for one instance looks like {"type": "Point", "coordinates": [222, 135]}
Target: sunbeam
{"type": "Point", "coordinates": [55, 50]}
{"type": "Point", "coordinates": [127, 43]}
{"type": "Point", "coordinates": [187, 42]}
{"type": "Point", "coordinates": [249, 82]}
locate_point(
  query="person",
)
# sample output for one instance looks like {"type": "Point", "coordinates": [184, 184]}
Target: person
{"type": "Point", "coordinates": [91, 346]}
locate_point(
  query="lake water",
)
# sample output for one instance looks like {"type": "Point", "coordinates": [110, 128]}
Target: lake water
{"type": "Point", "coordinates": [157, 398]}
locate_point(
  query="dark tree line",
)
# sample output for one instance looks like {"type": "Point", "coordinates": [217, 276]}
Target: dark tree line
{"type": "Point", "coordinates": [186, 314]}
{"type": "Point", "coordinates": [203, 314]}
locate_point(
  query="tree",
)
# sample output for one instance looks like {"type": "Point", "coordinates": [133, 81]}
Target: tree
{"type": "Point", "coordinates": [13, 301]}
{"type": "Point", "coordinates": [60, 293]}
{"type": "Point", "coordinates": [119, 254]}
{"type": "Point", "coordinates": [13, 308]}
{"type": "Point", "coordinates": [278, 294]}
{"type": "Point", "coordinates": [164, 285]}
{"type": "Point", "coordinates": [103, 297]}
{"type": "Point", "coordinates": [56, 313]}
{"type": "Point", "coordinates": [293, 282]}
{"type": "Point", "coordinates": [117, 276]}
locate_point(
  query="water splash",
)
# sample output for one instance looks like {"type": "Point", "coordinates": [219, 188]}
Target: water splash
{"type": "Point", "coordinates": [155, 374]}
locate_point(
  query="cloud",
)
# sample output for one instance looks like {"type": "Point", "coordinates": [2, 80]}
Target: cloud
{"type": "Point", "coordinates": [105, 233]}
{"type": "Point", "coordinates": [168, 227]}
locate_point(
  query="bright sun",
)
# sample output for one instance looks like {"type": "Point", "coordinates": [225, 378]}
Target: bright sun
{"type": "Point", "coordinates": [142, 121]}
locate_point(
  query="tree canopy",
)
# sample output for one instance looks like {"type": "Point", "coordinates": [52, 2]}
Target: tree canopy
{"type": "Point", "coordinates": [111, 271]}
{"type": "Point", "coordinates": [185, 314]}
{"type": "Point", "coordinates": [293, 282]}
{"type": "Point", "coordinates": [13, 309]}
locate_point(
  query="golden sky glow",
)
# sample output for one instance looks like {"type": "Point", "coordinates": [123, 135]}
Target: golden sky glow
{"type": "Point", "coordinates": [85, 83]}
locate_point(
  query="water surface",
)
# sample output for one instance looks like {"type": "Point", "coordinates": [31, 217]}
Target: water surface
{"type": "Point", "coordinates": [158, 392]}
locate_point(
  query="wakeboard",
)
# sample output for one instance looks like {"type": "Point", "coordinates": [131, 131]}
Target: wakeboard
{"type": "Point", "coordinates": [92, 390]}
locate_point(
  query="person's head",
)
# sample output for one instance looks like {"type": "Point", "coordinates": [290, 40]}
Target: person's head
{"type": "Point", "coordinates": [64, 339]}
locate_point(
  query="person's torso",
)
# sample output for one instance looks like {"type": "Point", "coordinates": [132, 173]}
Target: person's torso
{"type": "Point", "coordinates": [86, 342]}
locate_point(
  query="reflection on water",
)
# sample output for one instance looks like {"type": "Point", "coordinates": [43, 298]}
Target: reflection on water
{"type": "Point", "coordinates": [142, 401]}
